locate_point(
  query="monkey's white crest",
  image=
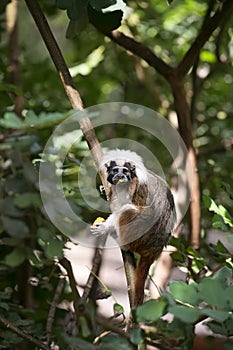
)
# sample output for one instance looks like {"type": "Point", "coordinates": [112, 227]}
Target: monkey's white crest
{"type": "Point", "coordinates": [121, 156]}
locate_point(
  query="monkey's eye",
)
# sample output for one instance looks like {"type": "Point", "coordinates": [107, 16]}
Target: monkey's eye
{"type": "Point", "coordinates": [125, 171]}
{"type": "Point", "coordinates": [115, 170]}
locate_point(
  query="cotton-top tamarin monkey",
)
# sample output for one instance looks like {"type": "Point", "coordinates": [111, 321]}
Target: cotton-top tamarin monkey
{"type": "Point", "coordinates": [143, 212]}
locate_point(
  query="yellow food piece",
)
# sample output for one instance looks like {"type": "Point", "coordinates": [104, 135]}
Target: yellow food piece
{"type": "Point", "coordinates": [98, 220]}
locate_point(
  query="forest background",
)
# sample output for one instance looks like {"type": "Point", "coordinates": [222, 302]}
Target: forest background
{"type": "Point", "coordinates": [179, 63]}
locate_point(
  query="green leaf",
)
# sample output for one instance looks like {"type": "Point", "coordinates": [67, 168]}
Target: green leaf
{"type": "Point", "coordinates": [228, 189]}
{"type": "Point", "coordinates": [85, 331]}
{"type": "Point", "coordinates": [107, 5]}
{"type": "Point", "coordinates": [177, 256]}
{"type": "Point", "coordinates": [62, 4]}
{"type": "Point", "coordinates": [223, 275]}
{"type": "Point", "coordinates": [16, 257]}
{"type": "Point", "coordinates": [44, 234]}
{"type": "Point", "coordinates": [54, 248]}
{"type": "Point", "coordinates": [230, 239]}
{"type": "Point", "coordinates": [78, 343]}
{"type": "Point", "coordinates": [8, 208]}
{"type": "Point", "coordinates": [207, 56]}
{"type": "Point", "coordinates": [112, 341]}
{"type": "Point", "coordinates": [229, 296]}
{"type": "Point", "coordinates": [211, 291]}
{"type": "Point", "coordinates": [137, 336]}
{"type": "Point", "coordinates": [184, 293]}
{"type": "Point", "coordinates": [152, 310]}
{"type": "Point", "coordinates": [15, 228]}
{"type": "Point", "coordinates": [118, 309]}
{"type": "Point", "coordinates": [26, 200]}
{"type": "Point", "coordinates": [75, 8]}
{"type": "Point", "coordinates": [4, 306]}
{"type": "Point", "coordinates": [217, 328]}
{"type": "Point", "coordinates": [184, 313]}
{"type": "Point", "coordinates": [220, 247]}
{"type": "Point", "coordinates": [218, 315]}
{"type": "Point", "coordinates": [222, 215]}
{"type": "Point", "coordinates": [11, 120]}
{"type": "Point", "coordinates": [91, 61]}
{"type": "Point", "coordinates": [219, 223]}
{"type": "Point", "coordinates": [209, 203]}
{"type": "Point", "coordinates": [105, 22]}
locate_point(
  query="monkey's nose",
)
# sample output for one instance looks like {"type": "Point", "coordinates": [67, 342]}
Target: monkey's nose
{"type": "Point", "coordinates": [120, 178]}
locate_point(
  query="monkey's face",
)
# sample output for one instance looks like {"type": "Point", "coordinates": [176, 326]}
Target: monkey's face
{"type": "Point", "coordinates": [120, 174]}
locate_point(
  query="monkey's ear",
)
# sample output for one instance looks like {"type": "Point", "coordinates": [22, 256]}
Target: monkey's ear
{"type": "Point", "coordinates": [133, 171]}
{"type": "Point", "coordinates": [111, 165]}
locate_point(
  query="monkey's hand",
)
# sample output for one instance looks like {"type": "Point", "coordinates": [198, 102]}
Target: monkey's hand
{"type": "Point", "coordinates": [99, 230]}
{"type": "Point", "coordinates": [99, 227]}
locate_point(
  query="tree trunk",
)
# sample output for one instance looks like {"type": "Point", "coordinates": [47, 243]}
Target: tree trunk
{"type": "Point", "coordinates": [185, 128]}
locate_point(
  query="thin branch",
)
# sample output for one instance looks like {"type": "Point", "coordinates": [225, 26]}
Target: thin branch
{"type": "Point", "coordinates": [210, 24]}
{"type": "Point", "coordinates": [22, 334]}
{"type": "Point", "coordinates": [80, 306]}
{"type": "Point", "coordinates": [90, 287]}
{"type": "Point", "coordinates": [110, 326]}
{"type": "Point", "coordinates": [67, 266]}
{"type": "Point", "coordinates": [53, 307]}
{"type": "Point", "coordinates": [195, 89]}
{"type": "Point", "coordinates": [218, 41]}
{"type": "Point", "coordinates": [141, 51]}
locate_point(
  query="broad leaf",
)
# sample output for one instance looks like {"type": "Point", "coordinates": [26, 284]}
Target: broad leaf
{"type": "Point", "coordinates": [184, 313]}
{"type": "Point", "coordinates": [152, 310]}
{"type": "Point", "coordinates": [184, 293]}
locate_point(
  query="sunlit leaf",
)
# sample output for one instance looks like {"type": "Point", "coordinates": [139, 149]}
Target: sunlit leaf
{"type": "Point", "coordinates": [208, 56]}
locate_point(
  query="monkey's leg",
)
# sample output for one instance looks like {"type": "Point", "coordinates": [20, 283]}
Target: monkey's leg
{"type": "Point", "coordinates": [130, 267]}
{"type": "Point", "coordinates": [140, 278]}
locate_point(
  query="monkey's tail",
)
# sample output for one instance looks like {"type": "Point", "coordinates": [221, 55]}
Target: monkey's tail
{"type": "Point", "coordinates": [140, 278]}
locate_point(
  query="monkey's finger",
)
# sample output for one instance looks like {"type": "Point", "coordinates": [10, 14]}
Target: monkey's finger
{"type": "Point", "coordinates": [95, 230]}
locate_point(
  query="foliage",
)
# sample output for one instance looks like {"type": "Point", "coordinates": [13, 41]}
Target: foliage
{"type": "Point", "coordinates": [31, 246]}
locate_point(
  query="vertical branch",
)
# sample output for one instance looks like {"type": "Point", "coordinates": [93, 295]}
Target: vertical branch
{"type": "Point", "coordinates": [185, 127]}
{"type": "Point", "coordinates": [12, 29]}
